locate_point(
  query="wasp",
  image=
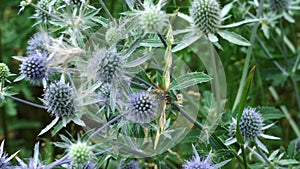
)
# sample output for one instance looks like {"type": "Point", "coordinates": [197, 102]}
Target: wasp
{"type": "Point", "coordinates": [166, 96]}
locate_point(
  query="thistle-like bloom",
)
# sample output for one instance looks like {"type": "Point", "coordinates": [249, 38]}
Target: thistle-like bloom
{"type": "Point", "coordinates": [4, 72]}
{"type": "Point", "coordinates": [112, 35]}
{"type": "Point", "coordinates": [38, 43]}
{"type": "Point", "coordinates": [46, 5]}
{"type": "Point", "coordinates": [4, 159]}
{"type": "Point", "coordinates": [196, 162]}
{"type": "Point", "coordinates": [152, 19]}
{"type": "Point", "coordinates": [251, 124]}
{"type": "Point", "coordinates": [206, 15]}
{"type": "Point", "coordinates": [279, 5]}
{"type": "Point", "coordinates": [59, 98]}
{"type": "Point", "coordinates": [251, 127]}
{"type": "Point", "coordinates": [143, 107]}
{"type": "Point", "coordinates": [110, 66]}
{"type": "Point", "coordinates": [33, 68]}
{"type": "Point", "coordinates": [80, 153]}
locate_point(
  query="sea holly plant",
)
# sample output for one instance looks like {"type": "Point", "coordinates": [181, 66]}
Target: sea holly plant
{"type": "Point", "coordinates": [142, 83]}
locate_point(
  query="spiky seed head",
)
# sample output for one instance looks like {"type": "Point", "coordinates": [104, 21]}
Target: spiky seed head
{"type": "Point", "coordinates": [251, 124]}
{"type": "Point", "coordinates": [59, 99]}
{"type": "Point", "coordinates": [110, 66]}
{"type": "Point", "coordinates": [206, 15]}
{"type": "Point", "coordinates": [34, 68]}
{"type": "Point", "coordinates": [143, 107]}
{"type": "Point", "coordinates": [279, 5]}
{"type": "Point", "coordinates": [4, 71]}
{"type": "Point", "coordinates": [112, 35]}
{"type": "Point", "coordinates": [38, 43]}
{"type": "Point", "coordinates": [153, 20]}
{"type": "Point", "coordinates": [80, 153]}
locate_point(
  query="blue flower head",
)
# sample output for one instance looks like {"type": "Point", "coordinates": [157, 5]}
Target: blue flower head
{"type": "Point", "coordinates": [59, 99]}
{"type": "Point", "coordinates": [38, 43]}
{"type": "Point", "coordinates": [251, 124]}
{"type": "Point", "coordinates": [33, 68]}
{"type": "Point", "coordinates": [143, 107]}
{"type": "Point", "coordinates": [110, 66]}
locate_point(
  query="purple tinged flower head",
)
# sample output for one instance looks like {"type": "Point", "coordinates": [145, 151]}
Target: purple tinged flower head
{"type": "Point", "coordinates": [110, 66]}
{"type": "Point", "coordinates": [59, 99]}
{"type": "Point", "coordinates": [143, 107]}
{"type": "Point", "coordinates": [4, 72]}
{"type": "Point", "coordinates": [34, 68]}
{"type": "Point", "coordinates": [38, 43]}
{"type": "Point", "coordinates": [198, 163]}
{"type": "Point", "coordinates": [251, 124]}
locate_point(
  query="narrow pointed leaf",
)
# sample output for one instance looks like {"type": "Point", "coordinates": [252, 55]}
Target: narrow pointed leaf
{"type": "Point", "coordinates": [189, 79]}
{"type": "Point", "coordinates": [242, 103]}
{"type": "Point", "coordinates": [234, 38]}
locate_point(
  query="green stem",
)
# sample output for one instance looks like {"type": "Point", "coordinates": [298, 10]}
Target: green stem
{"type": "Point", "coordinates": [244, 156]}
{"type": "Point", "coordinates": [248, 56]}
{"type": "Point", "coordinates": [285, 111]}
